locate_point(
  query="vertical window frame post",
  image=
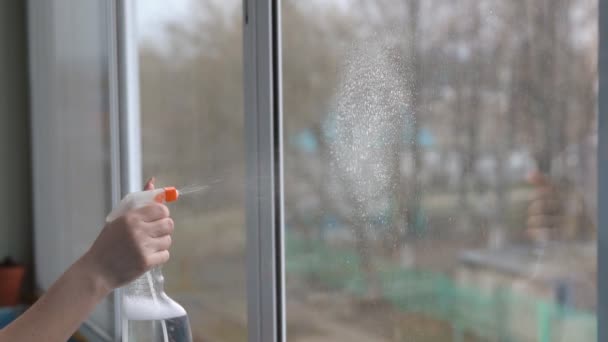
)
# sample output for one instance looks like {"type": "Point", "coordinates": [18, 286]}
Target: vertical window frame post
{"type": "Point", "coordinates": [264, 179]}
{"type": "Point", "coordinates": [125, 116]}
{"type": "Point", "coordinates": [602, 151]}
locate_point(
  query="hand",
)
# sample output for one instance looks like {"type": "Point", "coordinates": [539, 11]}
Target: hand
{"type": "Point", "coordinates": [125, 249]}
{"type": "Point", "coordinates": [545, 211]}
{"type": "Point", "coordinates": [132, 244]}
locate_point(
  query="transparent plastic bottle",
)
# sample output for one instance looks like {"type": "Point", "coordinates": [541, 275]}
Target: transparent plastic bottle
{"type": "Point", "coordinates": [148, 313]}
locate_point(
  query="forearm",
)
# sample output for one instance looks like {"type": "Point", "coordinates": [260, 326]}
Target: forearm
{"type": "Point", "coordinates": [60, 311]}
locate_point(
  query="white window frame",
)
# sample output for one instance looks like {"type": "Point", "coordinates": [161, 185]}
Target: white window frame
{"type": "Point", "coordinates": [125, 116]}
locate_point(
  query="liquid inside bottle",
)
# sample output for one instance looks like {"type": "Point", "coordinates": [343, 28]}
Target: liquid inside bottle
{"type": "Point", "coordinates": [150, 315]}
{"type": "Point", "coordinates": [170, 330]}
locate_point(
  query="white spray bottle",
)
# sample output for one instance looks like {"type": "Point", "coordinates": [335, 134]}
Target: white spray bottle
{"type": "Point", "coordinates": [148, 313]}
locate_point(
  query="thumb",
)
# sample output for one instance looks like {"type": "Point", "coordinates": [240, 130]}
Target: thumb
{"type": "Point", "coordinates": [150, 184]}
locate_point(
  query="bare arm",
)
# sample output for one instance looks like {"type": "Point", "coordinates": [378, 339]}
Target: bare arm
{"type": "Point", "coordinates": [125, 249]}
{"type": "Point", "coordinates": [61, 310]}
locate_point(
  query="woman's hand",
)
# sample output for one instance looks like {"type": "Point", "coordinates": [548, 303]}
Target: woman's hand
{"type": "Point", "coordinates": [132, 244]}
{"type": "Point", "coordinates": [126, 248]}
{"type": "Point", "coordinates": [545, 211]}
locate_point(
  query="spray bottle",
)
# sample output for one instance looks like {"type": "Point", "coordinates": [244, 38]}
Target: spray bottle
{"type": "Point", "coordinates": [148, 313]}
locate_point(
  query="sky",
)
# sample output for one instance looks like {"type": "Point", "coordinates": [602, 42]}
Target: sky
{"type": "Point", "coordinates": [153, 14]}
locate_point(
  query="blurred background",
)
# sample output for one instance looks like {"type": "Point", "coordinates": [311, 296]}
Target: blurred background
{"type": "Point", "coordinates": [474, 216]}
{"type": "Point", "coordinates": [440, 161]}
{"type": "Point", "coordinates": [473, 221]}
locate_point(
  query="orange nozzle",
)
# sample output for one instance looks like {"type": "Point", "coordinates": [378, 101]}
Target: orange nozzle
{"type": "Point", "coordinates": [171, 194]}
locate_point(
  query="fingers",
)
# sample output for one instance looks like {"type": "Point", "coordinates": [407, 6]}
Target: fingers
{"type": "Point", "coordinates": [544, 206]}
{"type": "Point", "coordinates": [160, 244]}
{"type": "Point", "coordinates": [544, 210]}
{"type": "Point", "coordinates": [161, 227]}
{"type": "Point", "coordinates": [158, 258]}
{"type": "Point", "coordinates": [547, 192]}
{"type": "Point", "coordinates": [152, 212]}
{"type": "Point", "coordinates": [150, 183]}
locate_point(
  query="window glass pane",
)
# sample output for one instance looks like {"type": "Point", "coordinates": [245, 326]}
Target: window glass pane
{"type": "Point", "coordinates": [440, 170]}
{"type": "Point", "coordinates": [70, 135]}
{"type": "Point", "coordinates": [190, 59]}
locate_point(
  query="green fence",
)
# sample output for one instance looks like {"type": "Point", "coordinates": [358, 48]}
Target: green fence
{"type": "Point", "coordinates": [501, 316]}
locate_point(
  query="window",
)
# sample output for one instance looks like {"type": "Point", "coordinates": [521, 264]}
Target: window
{"type": "Point", "coordinates": [413, 130]}
{"type": "Point", "coordinates": [191, 100]}
{"type": "Point", "coordinates": [413, 170]}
